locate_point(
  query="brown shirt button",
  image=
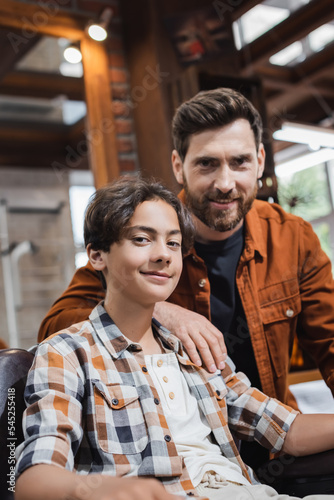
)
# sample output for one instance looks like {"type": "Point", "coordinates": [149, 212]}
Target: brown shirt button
{"type": "Point", "coordinates": [202, 283]}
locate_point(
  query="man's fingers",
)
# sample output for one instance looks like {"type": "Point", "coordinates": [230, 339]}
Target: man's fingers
{"type": "Point", "coordinates": [211, 346]}
{"type": "Point", "coordinates": [190, 347]}
{"type": "Point", "coordinates": [202, 347]}
{"type": "Point", "coordinates": [216, 342]}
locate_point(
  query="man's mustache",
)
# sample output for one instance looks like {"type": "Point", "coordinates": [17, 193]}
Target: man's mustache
{"type": "Point", "coordinates": [222, 197]}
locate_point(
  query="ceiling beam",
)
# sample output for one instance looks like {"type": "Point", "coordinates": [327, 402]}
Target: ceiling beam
{"type": "Point", "coordinates": [43, 85]}
{"type": "Point", "coordinates": [297, 79]}
{"type": "Point", "coordinates": [242, 7]}
{"type": "Point", "coordinates": [299, 24]}
{"type": "Point", "coordinates": [58, 149]}
{"type": "Point", "coordinates": [43, 18]}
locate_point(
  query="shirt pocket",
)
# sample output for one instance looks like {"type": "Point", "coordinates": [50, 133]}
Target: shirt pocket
{"type": "Point", "coordinates": [280, 305]}
{"type": "Point", "coordinates": [219, 389]}
{"type": "Point", "coordinates": [119, 419]}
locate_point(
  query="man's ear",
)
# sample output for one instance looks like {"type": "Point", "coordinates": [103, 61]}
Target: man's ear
{"type": "Point", "coordinates": [177, 166]}
{"type": "Point", "coordinates": [96, 258]}
{"type": "Point", "coordinates": [261, 158]}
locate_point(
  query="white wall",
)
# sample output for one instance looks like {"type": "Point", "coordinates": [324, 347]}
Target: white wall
{"type": "Point", "coordinates": [44, 274]}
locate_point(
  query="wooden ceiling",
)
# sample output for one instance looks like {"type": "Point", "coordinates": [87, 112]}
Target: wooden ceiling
{"type": "Point", "coordinates": [303, 93]}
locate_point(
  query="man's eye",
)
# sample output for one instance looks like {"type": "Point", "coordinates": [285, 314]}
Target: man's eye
{"type": "Point", "coordinates": [206, 163]}
{"type": "Point", "coordinates": [240, 162]}
{"type": "Point", "coordinates": [175, 244]}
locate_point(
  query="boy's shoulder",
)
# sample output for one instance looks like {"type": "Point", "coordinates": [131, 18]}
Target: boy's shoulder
{"type": "Point", "coordinates": [75, 335]}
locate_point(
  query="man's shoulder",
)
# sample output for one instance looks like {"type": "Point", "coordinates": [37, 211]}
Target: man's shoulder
{"type": "Point", "coordinates": [272, 211]}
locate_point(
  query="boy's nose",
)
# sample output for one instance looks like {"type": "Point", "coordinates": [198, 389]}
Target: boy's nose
{"type": "Point", "coordinates": [162, 253]}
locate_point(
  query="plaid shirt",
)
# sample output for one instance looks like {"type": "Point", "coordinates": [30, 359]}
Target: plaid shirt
{"type": "Point", "coordinates": [93, 408]}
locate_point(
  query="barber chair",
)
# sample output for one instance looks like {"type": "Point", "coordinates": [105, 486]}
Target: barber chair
{"type": "Point", "coordinates": [300, 476]}
{"type": "Point", "coordinates": [14, 367]}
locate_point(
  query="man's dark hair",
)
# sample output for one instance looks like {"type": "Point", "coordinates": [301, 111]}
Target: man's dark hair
{"type": "Point", "coordinates": [212, 109]}
{"type": "Point", "coordinates": [112, 206]}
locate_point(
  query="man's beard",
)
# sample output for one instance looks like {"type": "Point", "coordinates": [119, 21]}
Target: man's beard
{"type": "Point", "coordinates": [219, 220]}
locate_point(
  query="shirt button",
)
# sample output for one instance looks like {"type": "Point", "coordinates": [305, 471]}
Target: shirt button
{"type": "Point", "coordinates": [167, 438]}
{"type": "Point", "coordinates": [218, 393]}
{"type": "Point", "coordinates": [165, 379]}
{"type": "Point", "coordinates": [190, 494]}
{"type": "Point", "coordinates": [202, 283]}
{"type": "Point", "coordinates": [289, 313]}
{"type": "Point", "coordinates": [132, 347]}
{"type": "Point", "coordinates": [144, 369]}
{"type": "Point", "coordinates": [195, 259]}
{"type": "Point", "coordinates": [160, 362]}
{"type": "Point", "coordinates": [115, 401]}
{"type": "Point", "coordinates": [171, 395]}
{"type": "Point", "coordinates": [156, 400]}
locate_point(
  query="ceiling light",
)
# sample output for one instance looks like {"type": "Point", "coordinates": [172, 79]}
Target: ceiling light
{"type": "Point", "coordinates": [303, 162]}
{"type": "Point", "coordinates": [98, 30]}
{"type": "Point", "coordinates": [72, 54]}
{"type": "Point", "coordinates": [315, 137]}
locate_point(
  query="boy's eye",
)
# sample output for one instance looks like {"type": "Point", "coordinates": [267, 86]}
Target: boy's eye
{"type": "Point", "coordinates": [175, 244]}
{"type": "Point", "coordinates": [140, 239]}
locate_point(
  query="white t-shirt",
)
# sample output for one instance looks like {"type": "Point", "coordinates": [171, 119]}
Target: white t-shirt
{"type": "Point", "coordinates": [188, 426]}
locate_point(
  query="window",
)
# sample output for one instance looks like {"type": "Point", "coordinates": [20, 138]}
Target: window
{"type": "Point", "coordinates": [80, 191]}
{"type": "Point", "coordinates": [309, 193]}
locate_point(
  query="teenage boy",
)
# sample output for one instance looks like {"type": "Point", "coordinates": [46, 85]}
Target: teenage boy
{"type": "Point", "coordinates": [117, 396]}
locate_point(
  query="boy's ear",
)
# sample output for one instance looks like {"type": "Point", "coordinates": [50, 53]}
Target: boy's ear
{"type": "Point", "coordinates": [96, 258]}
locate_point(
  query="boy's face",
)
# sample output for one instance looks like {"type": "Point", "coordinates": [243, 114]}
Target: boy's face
{"type": "Point", "coordinates": [145, 265]}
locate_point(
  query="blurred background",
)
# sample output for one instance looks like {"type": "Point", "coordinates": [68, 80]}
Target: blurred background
{"type": "Point", "coordinates": [70, 125]}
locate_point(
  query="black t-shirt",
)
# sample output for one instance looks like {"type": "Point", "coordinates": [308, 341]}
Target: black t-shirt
{"type": "Point", "coordinates": [227, 313]}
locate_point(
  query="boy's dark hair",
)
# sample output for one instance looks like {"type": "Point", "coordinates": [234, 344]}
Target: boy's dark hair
{"type": "Point", "coordinates": [111, 208]}
{"type": "Point", "coordinates": [211, 109]}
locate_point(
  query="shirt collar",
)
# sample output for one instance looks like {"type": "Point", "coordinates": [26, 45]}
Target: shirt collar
{"type": "Point", "coordinates": [254, 239]}
{"type": "Point", "coordinates": [116, 343]}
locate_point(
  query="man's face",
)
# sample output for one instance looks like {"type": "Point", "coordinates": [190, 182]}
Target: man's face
{"type": "Point", "coordinates": [219, 175]}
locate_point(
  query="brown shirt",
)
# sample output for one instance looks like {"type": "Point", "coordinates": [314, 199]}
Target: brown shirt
{"type": "Point", "coordinates": [286, 287]}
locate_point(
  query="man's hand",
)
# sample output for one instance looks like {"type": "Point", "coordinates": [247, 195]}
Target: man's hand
{"type": "Point", "coordinates": [196, 333]}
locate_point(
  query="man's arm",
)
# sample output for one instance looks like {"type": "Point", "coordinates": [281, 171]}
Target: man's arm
{"type": "Point", "coordinates": [49, 482]}
{"type": "Point", "coordinates": [75, 304]}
